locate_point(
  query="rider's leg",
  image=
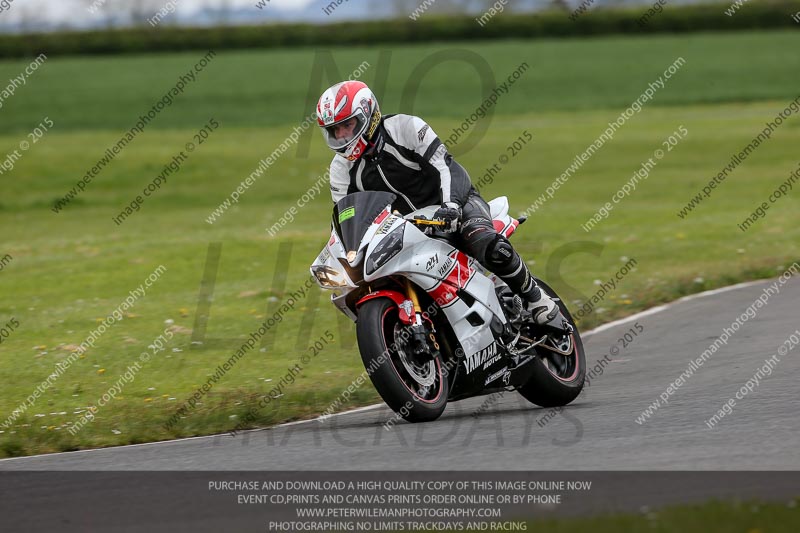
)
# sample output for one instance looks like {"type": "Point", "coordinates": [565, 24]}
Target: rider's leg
{"type": "Point", "coordinates": [479, 239]}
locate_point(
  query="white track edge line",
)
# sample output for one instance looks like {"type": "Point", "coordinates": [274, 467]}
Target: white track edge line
{"type": "Point", "coordinates": [663, 307]}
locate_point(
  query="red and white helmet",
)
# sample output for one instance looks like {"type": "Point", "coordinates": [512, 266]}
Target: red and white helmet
{"type": "Point", "coordinates": [342, 102]}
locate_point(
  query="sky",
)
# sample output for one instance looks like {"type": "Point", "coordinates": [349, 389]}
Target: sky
{"type": "Point", "coordinates": [74, 11]}
{"type": "Point", "coordinates": [48, 15]}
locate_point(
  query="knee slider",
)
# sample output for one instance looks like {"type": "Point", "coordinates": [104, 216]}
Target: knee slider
{"type": "Point", "coordinates": [500, 255]}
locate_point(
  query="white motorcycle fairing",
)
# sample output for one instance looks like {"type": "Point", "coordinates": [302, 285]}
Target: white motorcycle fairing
{"type": "Point", "coordinates": [461, 287]}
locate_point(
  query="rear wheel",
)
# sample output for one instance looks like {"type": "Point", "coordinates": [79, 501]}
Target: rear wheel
{"type": "Point", "coordinates": [415, 387]}
{"type": "Point", "coordinates": [560, 368]}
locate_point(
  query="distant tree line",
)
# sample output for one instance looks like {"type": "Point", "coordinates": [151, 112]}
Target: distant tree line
{"type": "Point", "coordinates": [435, 26]}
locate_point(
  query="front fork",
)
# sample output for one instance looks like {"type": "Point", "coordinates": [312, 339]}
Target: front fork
{"type": "Point", "coordinates": [419, 337]}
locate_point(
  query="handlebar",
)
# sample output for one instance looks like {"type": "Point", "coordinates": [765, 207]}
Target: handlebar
{"type": "Point", "coordinates": [426, 222]}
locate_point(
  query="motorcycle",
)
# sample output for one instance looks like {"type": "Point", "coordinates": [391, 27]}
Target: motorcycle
{"type": "Point", "coordinates": [434, 326]}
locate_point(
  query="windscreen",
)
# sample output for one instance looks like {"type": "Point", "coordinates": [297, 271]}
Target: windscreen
{"type": "Point", "coordinates": [353, 215]}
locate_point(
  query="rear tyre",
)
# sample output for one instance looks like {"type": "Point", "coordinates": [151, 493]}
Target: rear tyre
{"type": "Point", "coordinates": [415, 389]}
{"type": "Point", "coordinates": [557, 378]}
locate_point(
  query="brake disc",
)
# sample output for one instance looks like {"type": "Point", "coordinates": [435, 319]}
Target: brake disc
{"type": "Point", "coordinates": [424, 374]}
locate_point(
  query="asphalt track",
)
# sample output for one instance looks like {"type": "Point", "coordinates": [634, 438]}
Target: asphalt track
{"type": "Point", "coordinates": [101, 490]}
{"type": "Point", "coordinates": [597, 432]}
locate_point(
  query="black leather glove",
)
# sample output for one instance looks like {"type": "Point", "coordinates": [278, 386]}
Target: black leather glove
{"type": "Point", "coordinates": [450, 213]}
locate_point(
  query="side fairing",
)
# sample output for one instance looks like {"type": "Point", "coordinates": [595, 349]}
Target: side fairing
{"type": "Point", "coordinates": [456, 282]}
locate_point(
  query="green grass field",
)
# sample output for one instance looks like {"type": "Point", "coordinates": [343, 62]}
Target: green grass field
{"type": "Point", "coordinates": [71, 269]}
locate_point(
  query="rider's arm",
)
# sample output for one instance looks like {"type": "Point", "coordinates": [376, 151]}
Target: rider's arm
{"type": "Point", "coordinates": [340, 178]}
{"type": "Point", "coordinates": [416, 134]}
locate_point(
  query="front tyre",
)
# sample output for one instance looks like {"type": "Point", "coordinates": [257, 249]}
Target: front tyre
{"type": "Point", "coordinates": [414, 388]}
{"type": "Point", "coordinates": [560, 368]}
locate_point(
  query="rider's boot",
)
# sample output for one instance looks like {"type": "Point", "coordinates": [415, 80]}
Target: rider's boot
{"type": "Point", "coordinates": [539, 304]}
{"type": "Point", "coordinates": [510, 267]}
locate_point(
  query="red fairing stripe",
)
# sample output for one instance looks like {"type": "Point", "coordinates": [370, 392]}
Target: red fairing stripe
{"type": "Point", "coordinates": [446, 291]}
{"type": "Point", "coordinates": [512, 227]}
{"type": "Point", "coordinates": [500, 227]}
{"type": "Point", "coordinates": [443, 294]}
{"type": "Point", "coordinates": [381, 217]}
{"type": "Point", "coordinates": [461, 274]}
{"type": "Point", "coordinates": [398, 298]}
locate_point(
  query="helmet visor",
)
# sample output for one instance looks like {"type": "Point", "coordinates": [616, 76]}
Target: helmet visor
{"type": "Point", "coordinates": [340, 134]}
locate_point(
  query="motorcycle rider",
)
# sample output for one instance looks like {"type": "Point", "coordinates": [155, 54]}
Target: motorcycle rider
{"type": "Point", "coordinates": [401, 154]}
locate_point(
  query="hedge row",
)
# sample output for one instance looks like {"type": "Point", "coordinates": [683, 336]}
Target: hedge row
{"type": "Point", "coordinates": [712, 17]}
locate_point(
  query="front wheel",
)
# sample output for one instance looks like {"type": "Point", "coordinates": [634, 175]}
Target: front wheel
{"type": "Point", "coordinates": [414, 387]}
{"type": "Point", "coordinates": [560, 367]}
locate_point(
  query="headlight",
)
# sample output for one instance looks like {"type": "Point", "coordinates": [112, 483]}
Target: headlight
{"type": "Point", "coordinates": [328, 277]}
{"type": "Point", "coordinates": [389, 247]}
